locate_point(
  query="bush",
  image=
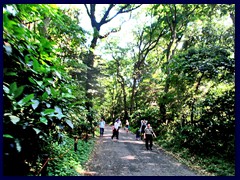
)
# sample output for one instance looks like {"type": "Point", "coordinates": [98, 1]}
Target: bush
{"type": "Point", "coordinates": [67, 162]}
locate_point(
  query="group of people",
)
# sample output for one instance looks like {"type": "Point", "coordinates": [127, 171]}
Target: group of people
{"type": "Point", "coordinates": [146, 132]}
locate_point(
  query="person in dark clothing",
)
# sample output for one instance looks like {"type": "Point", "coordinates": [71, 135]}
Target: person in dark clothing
{"type": "Point", "coordinates": [143, 126]}
{"type": "Point", "coordinates": [138, 134]}
{"type": "Point", "coordinates": [148, 136]}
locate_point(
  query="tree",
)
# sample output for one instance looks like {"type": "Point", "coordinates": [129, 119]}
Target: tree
{"type": "Point", "coordinates": [96, 26]}
{"type": "Point", "coordinates": [38, 91]}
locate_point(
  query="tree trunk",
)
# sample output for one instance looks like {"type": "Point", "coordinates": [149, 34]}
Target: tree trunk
{"type": "Point", "coordinates": [132, 96]}
{"type": "Point", "coordinates": [96, 35]}
{"type": "Point", "coordinates": [88, 86]}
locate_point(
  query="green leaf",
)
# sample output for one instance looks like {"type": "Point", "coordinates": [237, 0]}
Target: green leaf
{"type": "Point", "coordinates": [44, 96]}
{"type": "Point", "coordinates": [58, 75]}
{"type": "Point", "coordinates": [44, 120]}
{"type": "Point", "coordinates": [69, 123]}
{"type": "Point", "coordinates": [6, 89]}
{"type": "Point", "coordinates": [13, 87]}
{"type": "Point", "coordinates": [25, 100]}
{"type": "Point", "coordinates": [40, 83]}
{"type": "Point", "coordinates": [35, 104]}
{"type": "Point", "coordinates": [32, 80]}
{"type": "Point", "coordinates": [48, 111]}
{"type": "Point", "coordinates": [58, 110]}
{"type": "Point", "coordinates": [19, 91]}
{"type": "Point", "coordinates": [37, 130]}
{"type": "Point", "coordinates": [35, 65]}
{"type": "Point", "coordinates": [11, 74]}
{"type": "Point", "coordinates": [14, 119]}
{"type": "Point", "coordinates": [67, 95]}
{"type": "Point", "coordinates": [48, 90]}
{"type": "Point", "coordinates": [8, 49]}
{"type": "Point", "coordinates": [7, 136]}
{"type": "Point", "coordinates": [60, 116]}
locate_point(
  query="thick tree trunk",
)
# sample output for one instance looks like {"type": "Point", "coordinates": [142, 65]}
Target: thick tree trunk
{"type": "Point", "coordinates": [88, 86]}
{"type": "Point", "coordinates": [96, 25]}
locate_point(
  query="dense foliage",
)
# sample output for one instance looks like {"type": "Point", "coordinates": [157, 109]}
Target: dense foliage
{"type": "Point", "coordinates": [39, 94]}
{"type": "Point", "coordinates": [184, 86]}
{"type": "Point", "coordinates": [65, 161]}
{"type": "Point", "coordinates": [177, 71]}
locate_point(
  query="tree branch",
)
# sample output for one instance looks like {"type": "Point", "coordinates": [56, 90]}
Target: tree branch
{"type": "Point", "coordinates": [121, 11]}
{"type": "Point", "coordinates": [103, 20]}
{"type": "Point", "coordinates": [107, 34]}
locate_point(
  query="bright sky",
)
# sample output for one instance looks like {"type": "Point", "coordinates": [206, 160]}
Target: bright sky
{"type": "Point", "coordinates": [125, 33]}
{"type": "Point", "coordinates": [126, 27]}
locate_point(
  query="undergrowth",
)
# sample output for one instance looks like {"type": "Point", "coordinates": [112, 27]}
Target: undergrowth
{"type": "Point", "coordinates": [65, 161]}
{"type": "Point", "coordinates": [205, 165]}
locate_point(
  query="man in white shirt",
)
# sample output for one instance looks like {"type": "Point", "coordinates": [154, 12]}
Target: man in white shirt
{"type": "Point", "coordinates": [101, 126]}
{"type": "Point", "coordinates": [116, 129]}
{"type": "Point", "coordinates": [148, 136]}
{"type": "Point", "coordinates": [119, 123]}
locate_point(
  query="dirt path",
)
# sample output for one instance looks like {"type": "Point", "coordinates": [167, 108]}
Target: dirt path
{"type": "Point", "coordinates": [129, 157]}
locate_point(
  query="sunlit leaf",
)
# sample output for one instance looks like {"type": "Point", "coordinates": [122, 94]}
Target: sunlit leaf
{"type": "Point", "coordinates": [14, 119]}
{"type": "Point", "coordinates": [37, 130]}
{"type": "Point", "coordinates": [35, 104]}
{"type": "Point", "coordinates": [44, 120]}
{"type": "Point", "coordinates": [18, 145]}
{"type": "Point", "coordinates": [6, 89]}
{"type": "Point", "coordinates": [58, 110]}
{"type": "Point", "coordinates": [25, 100]}
{"type": "Point", "coordinates": [58, 75]}
{"type": "Point", "coordinates": [40, 83]}
{"type": "Point", "coordinates": [69, 123]}
{"type": "Point", "coordinates": [8, 49]}
{"type": "Point", "coordinates": [48, 111]}
{"type": "Point", "coordinates": [7, 136]}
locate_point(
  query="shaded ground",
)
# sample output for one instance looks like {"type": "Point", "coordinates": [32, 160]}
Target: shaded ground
{"type": "Point", "coordinates": [129, 157]}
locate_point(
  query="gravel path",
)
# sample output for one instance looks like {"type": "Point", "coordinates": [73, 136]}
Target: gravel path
{"type": "Point", "coordinates": [129, 157]}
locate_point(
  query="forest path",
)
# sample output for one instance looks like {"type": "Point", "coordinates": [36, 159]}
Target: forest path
{"type": "Point", "coordinates": [129, 157]}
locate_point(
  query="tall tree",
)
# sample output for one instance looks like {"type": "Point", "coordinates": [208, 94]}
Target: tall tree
{"type": "Point", "coordinates": [147, 40]}
{"type": "Point", "coordinates": [111, 12]}
{"type": "Point", "coordinates": [177, 17]}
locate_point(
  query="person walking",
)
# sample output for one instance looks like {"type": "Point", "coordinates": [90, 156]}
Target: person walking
{"type": "Point", "coordinates": [115, 129]}
{"type": "Point", "coordinates": [102, 126]}
{"type": "Point", "coordinates": [148, 136]}
{"type": "Point", "coordinates": [119, 123]}
{"type": "Point", "coordinates": [143, 126]}
{"type": "Point", "coordinates": [138, 134]}
{"type": "Point", "coordinates": [127, 126]}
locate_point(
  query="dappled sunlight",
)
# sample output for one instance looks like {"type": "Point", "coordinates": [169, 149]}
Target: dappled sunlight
{"type": "Point", "coordinates": [146, 152]}
{"type": "Point", "coordinates": [107, 135]}
{"type": "Point", "coordinates": [131, 141]}
{"type": "Point", "coordinates": [151, 164]}
{"type": "Point", "coordinates": [177, 164]}
{"type": "Point", "coordinates": [129, 157]}
{"type": "Point", "coordinates": [105, 141]}
{"type": "Point", "coordinates": [84, 172]}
